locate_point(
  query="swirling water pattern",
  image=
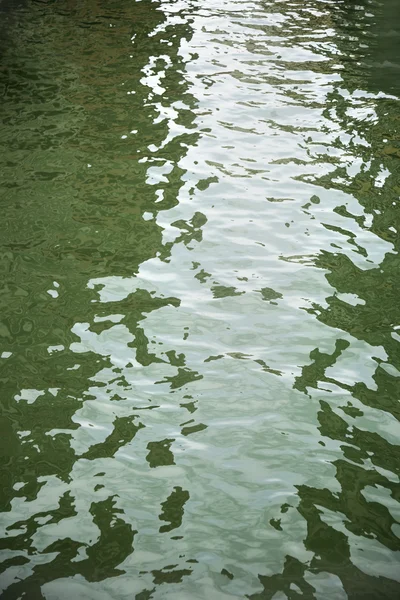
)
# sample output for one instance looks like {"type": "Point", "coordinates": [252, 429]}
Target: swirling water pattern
{"type": "Point", "coordinates": [199, 299]}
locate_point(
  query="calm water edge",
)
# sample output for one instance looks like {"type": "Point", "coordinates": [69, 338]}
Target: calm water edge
{"type": "Point", "coordinates": [200, 299]}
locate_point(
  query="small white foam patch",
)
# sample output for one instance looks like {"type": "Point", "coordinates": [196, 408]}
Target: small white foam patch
{"type": "Point", "coordinates": [29, 395]}
{"type": "Point", "coordinates": [52, 349]}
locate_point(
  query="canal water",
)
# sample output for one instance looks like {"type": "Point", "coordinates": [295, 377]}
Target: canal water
{"type": "Point", "coordinates": [200, 315]}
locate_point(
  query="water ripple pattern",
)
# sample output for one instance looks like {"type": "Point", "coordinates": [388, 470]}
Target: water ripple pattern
{"type": "Point", "coordinates": [199, 326]}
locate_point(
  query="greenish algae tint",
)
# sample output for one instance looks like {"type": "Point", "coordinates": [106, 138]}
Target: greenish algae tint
{"type": "Point", "coordinates": [200, 316]}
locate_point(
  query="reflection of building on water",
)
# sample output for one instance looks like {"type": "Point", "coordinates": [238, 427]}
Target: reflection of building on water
{"type": "Point", "coordinates": [73, 317]}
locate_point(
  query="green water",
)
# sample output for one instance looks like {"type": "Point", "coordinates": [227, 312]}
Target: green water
{"type": "Point", "coordinates": [200, 314]}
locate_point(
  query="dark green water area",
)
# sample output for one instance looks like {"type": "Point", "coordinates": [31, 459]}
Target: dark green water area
{"type": "Point", "coordinates": [199, 299]}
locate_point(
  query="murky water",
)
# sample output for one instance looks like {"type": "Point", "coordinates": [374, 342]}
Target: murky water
{"type": "Point", "coordinates": [200, 309]}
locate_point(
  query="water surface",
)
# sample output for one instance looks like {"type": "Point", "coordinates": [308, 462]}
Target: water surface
{"type": "Point", "coordinates": [199, 327]}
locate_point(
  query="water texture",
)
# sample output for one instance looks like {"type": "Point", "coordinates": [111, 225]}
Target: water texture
{"type": "Point", "coordinates": [200, 315]}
